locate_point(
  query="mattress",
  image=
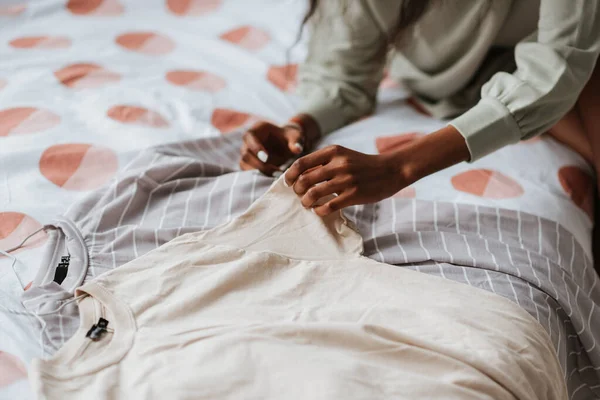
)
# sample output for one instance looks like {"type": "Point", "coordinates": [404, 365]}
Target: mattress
{"type": "Point", "coordinates": [85, 86]}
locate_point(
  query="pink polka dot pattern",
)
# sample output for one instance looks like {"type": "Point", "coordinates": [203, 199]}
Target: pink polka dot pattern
{"type": "Point", "coordinates": [99, 8]}
{"type": "Point", "coordinates": [193, 7]}
{"type": "Point", "coordinates": [11, 369]}
{"type": "Point", "coordinates": [41, 42]}
{"type": "Point", "coordinates": [388, 83]}
{"type": "Point", "coordinates": [86, 76]}
{"type": "Point", "coordinates": [247, 37]}
{"type": "Point", "coordinates": [196, 80]}
{"type": "Point", "coordinates": [488, 184]}
{"type": "Point", "coordinates": [23, 120]}
{"type": "Point", "coordinates": [16, 226]}
{"type": "Point", "coordinates": [227, 120]}
{"type": "Point", "coordinates": [3, 83]}
{"type": "Point", "coordinates": [534, 139]}
{"type": "Point", "coordinates": [415, 105]}
{"type": "Point", "coordinates": [78, 166]}
{"type": "Point", "coordinates": [406, 193]}
{"type": "Point", "coordinates": [134, 115]}
{"type": "Point", "coordinates": [392, 143]}
{"type": "Point", "coordinates": [149, 43]}
{"type": "Point", "coordinates": [12, 10]}
{"type": "Point", "coordinates": [579, 186]}
{"type": "Point", "coordinates": [284, 76]}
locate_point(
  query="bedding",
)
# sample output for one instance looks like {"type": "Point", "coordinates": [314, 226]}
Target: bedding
{"type": "Point", "coordinates": [86, 85]}
{"type": "Point", "coordinates": [285, 297]}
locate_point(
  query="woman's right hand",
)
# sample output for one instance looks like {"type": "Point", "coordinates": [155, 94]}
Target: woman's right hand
{"type": "Point", "coordinates": [267, 147]}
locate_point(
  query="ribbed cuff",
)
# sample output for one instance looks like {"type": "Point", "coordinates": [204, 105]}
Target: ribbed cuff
{"type": "Point", "coordinates": [328, 116]}
{"type": "Point", "coordinates": [487, 127]}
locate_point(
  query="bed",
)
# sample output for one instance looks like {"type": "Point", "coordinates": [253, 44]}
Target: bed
{"type": "Point", "coordinates": [87, 85]}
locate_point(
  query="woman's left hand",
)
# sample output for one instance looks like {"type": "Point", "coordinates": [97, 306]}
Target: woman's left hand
{"type": "Point", "coordinates": [355, 178]}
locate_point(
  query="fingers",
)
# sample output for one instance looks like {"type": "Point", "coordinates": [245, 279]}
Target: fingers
{"type": "Point", "coordinates": [295, 140]}
{"type": "Point", "coordinates": [250, 161]}
{"type": "Point", "coordinates": [246, 167]}
{"type": "Point", "coordinates": [255, 146]}
{"type": "Point", "coordinates": [316, 193]}
{"type": "Point", "coordinates": [346, 199]}
{"type": "Point", "coordinates": [311, 178]}
{"type": "Point", "coordinates": [301, 165]}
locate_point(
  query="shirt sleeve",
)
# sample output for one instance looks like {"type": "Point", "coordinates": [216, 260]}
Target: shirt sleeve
{"type": "Point", "coordinates": [551, 72]}
{"type": "Point", "coordinates": [346, 55]}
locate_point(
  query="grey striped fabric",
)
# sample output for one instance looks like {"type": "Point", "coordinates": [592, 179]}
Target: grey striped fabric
{"type": "Point", "coordinates": [187, 187]}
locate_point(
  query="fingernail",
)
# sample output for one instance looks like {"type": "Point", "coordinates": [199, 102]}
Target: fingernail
{"type": "Point", "coordinates": [277, 174]}
{"type": "Point", "coordinates": [285, 182]}
{"type": "Point", "coordinates": [299, 147]}
{"type": "Point", "coordinates": [262, 156]}
{"type": "Point", "coordinates": [313, 210]}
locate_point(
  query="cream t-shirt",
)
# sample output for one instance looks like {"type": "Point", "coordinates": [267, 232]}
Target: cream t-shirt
{"type": "Point", "coordinates": [279, 304]}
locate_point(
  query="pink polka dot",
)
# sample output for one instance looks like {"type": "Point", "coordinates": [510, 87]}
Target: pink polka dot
{"type": "Point", "coordinates": [28, 286]}
{"type": "Point", "coordinates": [284, 76]}
{"type": "Point", "coordinates": [227, 120]}
{"type": "Point", "coordinates": [579, 185]}
{"type": "Point", "coordinates": [12, 10]}
{"type": "Point", "coordinates": [86, 76]}
{"type": "Point", "coordinates": [134, 115]}
{"type": "Point", "coordinates": [534, 139]}
{"type": "Point", "coordinates": [415, 105]}
{"type": "Point", "coordinates": [23, 120]}
{"type": "Point", "coordinates": [3, 83]}
{"type": "Point", "coordinates": [192, 7]}
{"type": "Point", "coordinates": [146, 43]}
{"type": "Point", "coordinates": [388, 83]}
{"type": "Point", "coordinates": [16, 226]}
{"type": "Point", "coordinates": [392, 143]}
{"type": "Point", "coordinates": [248, 37]}
{"type": "Point", "coordinates": [99, 8]}
{"type": "Point", "coordinates": [487, 183]}
{"type": "Point", "coordinates": [78, 166]}
{"type": "Point", "coordinates": [11, 369]}
{"type": "Point", "coordinates": [196, 80]}
{"type": "Point", "coordinates": [406, 193]}
{"type": "Point", "coordinates": [41, 42]}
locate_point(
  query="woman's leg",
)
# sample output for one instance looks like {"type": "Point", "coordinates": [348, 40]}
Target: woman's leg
{"type": "Point", "coordinates": [571, 132]}
{"type": "Point", "coordinates": [588, 107]}
{"type": "Point", "coordinates": [580, 130]}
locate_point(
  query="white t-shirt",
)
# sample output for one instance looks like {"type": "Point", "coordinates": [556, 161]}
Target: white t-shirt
{"type": "Point", "coordinates": [279, 304]}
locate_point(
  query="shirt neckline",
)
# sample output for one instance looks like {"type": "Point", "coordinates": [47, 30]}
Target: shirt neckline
{"type": "Point", "coordinates": [121, 322]}
{"type": "Point", "coordinates": [67, 234]}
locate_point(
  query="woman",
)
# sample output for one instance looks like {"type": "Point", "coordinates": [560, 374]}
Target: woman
{"type": "Point", "coordinates": [504, 70]}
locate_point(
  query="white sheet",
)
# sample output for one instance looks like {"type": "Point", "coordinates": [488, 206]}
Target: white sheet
{"type": "Point", "coordinates": [60, 137]}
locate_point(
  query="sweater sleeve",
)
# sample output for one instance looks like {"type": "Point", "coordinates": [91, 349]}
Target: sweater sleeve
{"type": "Point", "coordinates": [347, 49]}
{"type": "Point", "coordinates": [551, 72]}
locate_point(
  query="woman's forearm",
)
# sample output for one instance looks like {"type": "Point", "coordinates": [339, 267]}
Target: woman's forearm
{"type": "Point", "coordinates": [432, 153]}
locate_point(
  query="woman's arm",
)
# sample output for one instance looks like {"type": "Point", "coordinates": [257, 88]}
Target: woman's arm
{"type": "Point", "coordinates": [552, 69]}
{"type": "Point", "coordinates": [338, 83]}
{"type": "Point", "coordinates": [346, 55]}
{"type": "Point", "coordinates": [359, 178]}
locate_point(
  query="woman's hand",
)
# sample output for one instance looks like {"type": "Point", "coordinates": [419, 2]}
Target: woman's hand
{"type": "Point", "coordinates": [266, 147]}
{"type": "Point", "coordinates": [355, 178]}
{"type": "Point", "coordinates": [358, 178]}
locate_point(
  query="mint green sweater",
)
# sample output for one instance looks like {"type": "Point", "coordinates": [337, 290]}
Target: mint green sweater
{"type": "Point", "coordinates": [506, 70]}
